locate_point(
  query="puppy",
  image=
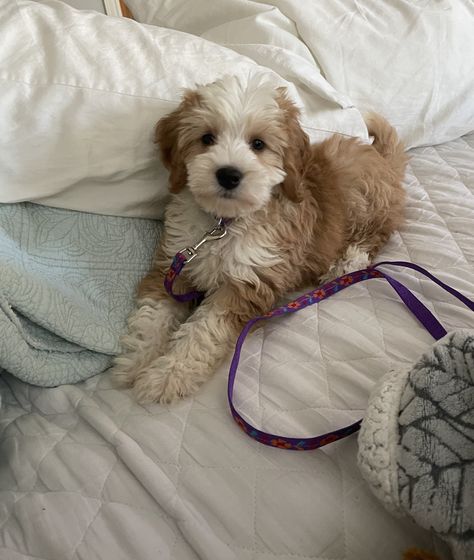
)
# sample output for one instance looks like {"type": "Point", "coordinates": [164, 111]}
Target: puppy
{"type": "Point", "coordinates": [299, 214]}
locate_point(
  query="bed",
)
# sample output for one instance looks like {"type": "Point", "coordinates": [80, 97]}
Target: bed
{"type": "Point", "coordinates": [87, 473]}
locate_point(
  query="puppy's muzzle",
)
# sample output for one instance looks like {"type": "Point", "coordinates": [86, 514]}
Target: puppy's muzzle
{"type": "Point", "coordinates": [228, 177]}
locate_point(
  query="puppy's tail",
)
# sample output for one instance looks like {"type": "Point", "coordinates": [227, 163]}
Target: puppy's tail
{"type": "Point", "coordinates": [387, 143]}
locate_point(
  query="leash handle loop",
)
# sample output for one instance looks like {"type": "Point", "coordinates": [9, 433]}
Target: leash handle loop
{"type": "Point", "coordinates": [419, 310]}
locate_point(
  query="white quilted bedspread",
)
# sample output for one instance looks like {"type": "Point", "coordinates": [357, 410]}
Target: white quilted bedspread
{"type": "Point", "coordinates": [86, 473]}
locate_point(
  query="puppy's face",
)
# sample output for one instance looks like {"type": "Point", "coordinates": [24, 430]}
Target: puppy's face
{"type": "Point", "coordinates": [229, 144]}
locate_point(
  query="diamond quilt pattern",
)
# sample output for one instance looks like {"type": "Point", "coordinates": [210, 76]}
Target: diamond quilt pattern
{"type": "Point", "coordinates": [88, 474]}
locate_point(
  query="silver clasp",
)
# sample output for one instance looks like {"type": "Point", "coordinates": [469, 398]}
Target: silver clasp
{"type": "Point", "coordinates": [217, 232]}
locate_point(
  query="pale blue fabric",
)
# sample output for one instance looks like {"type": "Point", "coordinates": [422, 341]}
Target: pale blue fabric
{"type": "Point", "coordinates": [67, 283]}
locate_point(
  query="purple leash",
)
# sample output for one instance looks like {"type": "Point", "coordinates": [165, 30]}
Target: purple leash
{"type": "Point", "coordinates": [179, 260]}
{"type": "Point", "coordinates": [419, 310]}
{"type": "Point", "coordinates": [186, 255]}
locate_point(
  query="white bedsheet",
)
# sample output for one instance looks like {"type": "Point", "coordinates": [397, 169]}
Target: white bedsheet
{"type": "Point", "coordinates": [87, 474]}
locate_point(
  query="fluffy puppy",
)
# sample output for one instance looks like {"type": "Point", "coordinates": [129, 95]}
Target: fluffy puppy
{"type": "Point", "coordinates": [300, 214]}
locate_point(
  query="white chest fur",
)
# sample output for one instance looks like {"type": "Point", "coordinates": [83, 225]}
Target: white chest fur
{"type": "Point", "coordinates": [247, 246]}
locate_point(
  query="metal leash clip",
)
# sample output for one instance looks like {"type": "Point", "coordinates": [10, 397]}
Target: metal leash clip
{"type": "Point", "coordinates": [217, 232]}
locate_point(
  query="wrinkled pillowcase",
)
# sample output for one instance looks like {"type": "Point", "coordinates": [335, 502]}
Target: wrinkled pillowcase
{"type": "Point", "coordinates": [411, 61]}
{"type": "Point", "coordinates": [80, 93]}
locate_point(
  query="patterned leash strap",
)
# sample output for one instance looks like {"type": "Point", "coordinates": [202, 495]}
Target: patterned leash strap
{"type": "Point", "coordinates": [177, 265]}
{"type": "Point", "coordinates": [421, 312]}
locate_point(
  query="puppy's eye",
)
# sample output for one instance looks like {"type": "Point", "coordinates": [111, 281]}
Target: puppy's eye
{"type": "Point", "coordinates": [257, 144]}
{"type": "Point", "coordinates": [208, 139]}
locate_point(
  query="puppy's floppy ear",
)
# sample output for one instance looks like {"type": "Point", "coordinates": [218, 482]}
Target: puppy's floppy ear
{"type": "Point", "coordinates": [166, 136]}
{"type": "Point", "coordinates": [297, 151]}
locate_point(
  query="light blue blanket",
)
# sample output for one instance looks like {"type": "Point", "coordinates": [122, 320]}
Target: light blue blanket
{"type": "Point", "coordinates": [67, 282]}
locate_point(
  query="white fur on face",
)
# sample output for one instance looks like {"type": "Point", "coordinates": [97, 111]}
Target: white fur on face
{"type": "Point", "coordinates": [235, 115]}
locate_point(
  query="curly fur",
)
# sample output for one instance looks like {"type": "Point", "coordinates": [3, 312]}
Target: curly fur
{"type": "Point", "coordinates": [301, 214]}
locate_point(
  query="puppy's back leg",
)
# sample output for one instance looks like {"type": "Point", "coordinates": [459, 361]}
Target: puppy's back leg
{"type": "Point", "coordinates": [355, 258]}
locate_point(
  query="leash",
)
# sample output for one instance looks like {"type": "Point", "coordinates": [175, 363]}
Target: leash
{"type": "Point", "coordinates": [186, 255]}
{"type": "Point", "coordinates": [419, 310]}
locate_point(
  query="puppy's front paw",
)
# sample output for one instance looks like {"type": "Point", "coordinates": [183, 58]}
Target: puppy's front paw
{"type": "Point", "coordinates": [166, 380]}
{"type": "Point", "coordinates": [146, 339]}
{"type": "Point", "coordinates": [128, 365]}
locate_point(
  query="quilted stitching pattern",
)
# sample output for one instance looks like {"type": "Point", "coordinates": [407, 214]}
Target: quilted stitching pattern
{"type": "Point", "coordinates": [86, 473]}
{"type": "Point", "coordinates": [68, 280]}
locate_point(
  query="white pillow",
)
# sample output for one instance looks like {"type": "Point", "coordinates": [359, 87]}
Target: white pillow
{"type": "Point", "coordinates": [80, 94]}
{"type": "Point", "coordinates": [412, 61]}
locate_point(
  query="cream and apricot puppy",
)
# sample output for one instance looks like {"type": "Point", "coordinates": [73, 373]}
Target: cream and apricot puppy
{"type": "Point", "coordinates": [299, 213]}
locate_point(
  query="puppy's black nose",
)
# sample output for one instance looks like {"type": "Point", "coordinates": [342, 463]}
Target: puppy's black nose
{"type": "Point", "coordinates": [228, 177]}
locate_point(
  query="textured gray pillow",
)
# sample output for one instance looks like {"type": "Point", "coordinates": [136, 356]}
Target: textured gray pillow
{"type": "Point", "coordinates": [416, 444]}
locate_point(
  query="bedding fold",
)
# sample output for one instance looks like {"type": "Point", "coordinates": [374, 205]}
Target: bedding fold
{"type": "Point", "coordinates": [81, 93]}
{"type": "Point", "coordinates": [67, 285]}
{"type": "Point", "coordinates": [405, 60]}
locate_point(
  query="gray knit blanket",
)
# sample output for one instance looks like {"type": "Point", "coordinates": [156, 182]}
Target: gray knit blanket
{"type": "Point", "coordinates": [416, 445]}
